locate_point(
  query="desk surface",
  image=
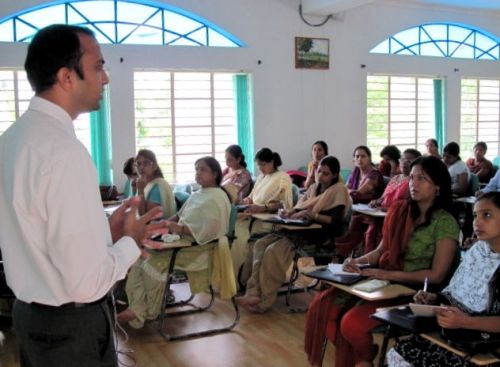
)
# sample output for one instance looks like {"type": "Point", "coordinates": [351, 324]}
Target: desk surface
{"type": "Point", "coordinates": [290, 227]}
{"type": "Point", "coordinates": [388, 292]}
{"type": "Point", "coordinates": [479, 359]}
{"type": "Point", "coordinates": [365, 209]}
{"type": "Point", "coordinates": [466, 199]}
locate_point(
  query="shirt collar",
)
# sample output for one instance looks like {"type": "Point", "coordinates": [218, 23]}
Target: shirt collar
{"type": "Point", "coordinates": [55, 111]}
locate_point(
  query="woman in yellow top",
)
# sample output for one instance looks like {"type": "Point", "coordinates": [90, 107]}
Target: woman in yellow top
{"type": "Point", "coordinates": [272, 191]}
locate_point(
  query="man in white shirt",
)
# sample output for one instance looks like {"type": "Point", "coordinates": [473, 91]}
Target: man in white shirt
{"type": "Point", "coordinates": [61, 254]}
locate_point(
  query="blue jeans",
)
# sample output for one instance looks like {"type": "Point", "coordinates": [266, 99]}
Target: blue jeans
{"type": "Point", "coordinates": [64, 336]}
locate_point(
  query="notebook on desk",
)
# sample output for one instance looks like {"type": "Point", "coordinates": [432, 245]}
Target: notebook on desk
{"type": "Point", "coordinates": [326, 274]}
{"type": "Point", "coordinates": [293, 222]}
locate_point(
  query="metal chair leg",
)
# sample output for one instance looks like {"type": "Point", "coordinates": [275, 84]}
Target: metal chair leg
{"type": "Point", "coordinates": [203, 333]}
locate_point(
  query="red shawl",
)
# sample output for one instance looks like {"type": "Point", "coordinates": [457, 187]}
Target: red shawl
{"type": "Point", "coordinates": [397, 230]}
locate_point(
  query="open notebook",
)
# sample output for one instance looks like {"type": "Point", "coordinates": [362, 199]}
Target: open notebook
{"type": "Point", "coordinates": [334, 273]}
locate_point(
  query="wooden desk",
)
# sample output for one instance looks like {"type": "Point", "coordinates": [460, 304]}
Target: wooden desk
{"type": "Point", "coordinates": [479, 359]}
{"type": "Point", "coordinates": [365, 209]}
{"type": "Point", "coordinates": [389, 292]}
{"type": "Point", "coordinates": [289, 227]}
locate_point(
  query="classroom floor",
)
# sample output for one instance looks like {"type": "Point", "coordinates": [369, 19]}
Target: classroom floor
{"type": "Point", "coordinates": [275, 339]}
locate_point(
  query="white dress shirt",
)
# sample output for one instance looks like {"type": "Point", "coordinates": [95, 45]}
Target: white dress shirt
{"type": "Point", "coordinates": [54, 235]}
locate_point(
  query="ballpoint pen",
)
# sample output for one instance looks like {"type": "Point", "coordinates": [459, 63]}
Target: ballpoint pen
{"type": "Point", "coordinates": [426, 282]}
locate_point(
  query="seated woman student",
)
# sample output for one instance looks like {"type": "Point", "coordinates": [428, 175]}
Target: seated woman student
{"type": "Point", "coordinates": [389, 165]}
{"type": "Point", "coordinates": [326, 202]}
{"type": "Point", "coordinates": [432, 148]}
{"type": "Point", "coordinates": [419, 241]}
{"type": "Point", "coordinates": [152, 188]}
{"type": "Point", "coordinates": [456, 167]}
{"type": "Point", "coordinates": [202, 219]}
{"type": "Point", "coordinates": [319, 151]}
{"type": "Point", "coordinates": [365, 182]}
{"type": "Point", "coordinates": [235, 178]}
{"type": "Point", "coordinates": [130, 189]}
{"type": "Point", "coordinates": [478, 164]}
{"type": "Point", "coordinates": [367, 228]}
{"type": "Point", "coordinates": [272, 191]}
{"type": "Point", "coordinates": [473, 295]}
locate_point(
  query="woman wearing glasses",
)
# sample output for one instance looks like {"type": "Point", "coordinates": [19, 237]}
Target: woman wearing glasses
{"type": "Point", "coordinates": [152, 188]}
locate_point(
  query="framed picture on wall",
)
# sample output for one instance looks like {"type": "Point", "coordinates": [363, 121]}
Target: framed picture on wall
{"type": "Point", "coordinates": [312, 53]}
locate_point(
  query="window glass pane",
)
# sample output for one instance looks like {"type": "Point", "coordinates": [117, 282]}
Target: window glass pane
{"type": "Point", "coordinates": [400, 111]}
{"type": "Point", "coordinates": [96, 11]}
{"type": "Point", "coordinates": [15, 94]}
{"type": "Point", "coordinates": [480, 116]}
{"type": "Point", "coordinates": [194, 119]}
{"type": "Point", "coordinates": [45, 16]}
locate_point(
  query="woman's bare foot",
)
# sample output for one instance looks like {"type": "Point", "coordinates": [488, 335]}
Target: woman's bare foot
{"type": "Point", "coordinates": [254, 308]}
{"type": "Point", "coordinates": [126, 316]}
{"type": "Point", "coordinates": [248, 300]}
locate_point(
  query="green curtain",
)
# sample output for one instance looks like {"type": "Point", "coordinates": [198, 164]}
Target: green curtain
{"type": "Point", "coordinates": [440, 112]}
{"type": "Point", "coordinates": [100, 140]}
{"type": "Point", "coordinates": [244, 117]}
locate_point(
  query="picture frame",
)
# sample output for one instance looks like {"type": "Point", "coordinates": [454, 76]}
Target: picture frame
{"type": "Point", "coordinates": [312, 53]}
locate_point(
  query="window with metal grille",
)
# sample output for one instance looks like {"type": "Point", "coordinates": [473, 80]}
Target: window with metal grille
{"type": "Point", "coordinates": [182, 116]}
{"type": "Point", "coordinates": [121, 22]}
{"type": "Point", "coordinates": [15, 95]}
{"type": "Point", "coordinates": [480, 115]}
{"type": "Point", "coordinates": [400, 111]}
{"type": "Point", "coordinates": [442, 40]}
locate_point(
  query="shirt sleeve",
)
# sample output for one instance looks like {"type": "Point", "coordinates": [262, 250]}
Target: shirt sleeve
{"type": "Point", "coordinates": [78, 233]}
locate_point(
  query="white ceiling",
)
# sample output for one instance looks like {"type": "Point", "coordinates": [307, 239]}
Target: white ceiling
{"type": "Point", "coordinates": [325, 7]}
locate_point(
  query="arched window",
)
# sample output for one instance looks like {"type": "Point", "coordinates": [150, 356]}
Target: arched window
{"type": "Point", "coordinates": [120, 22]}
{"type": "Point", "coordinates": [442, 40]}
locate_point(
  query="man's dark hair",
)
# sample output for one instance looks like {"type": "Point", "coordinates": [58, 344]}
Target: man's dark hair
{"type": "Point", "coordinates": [51, 49]}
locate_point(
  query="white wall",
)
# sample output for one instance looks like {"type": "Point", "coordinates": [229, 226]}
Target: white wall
{"type": "Point", "coordinates": [292, 107]}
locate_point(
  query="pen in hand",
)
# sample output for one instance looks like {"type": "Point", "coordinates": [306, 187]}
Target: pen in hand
{"type": "Point", "coordinates": [426, 282]}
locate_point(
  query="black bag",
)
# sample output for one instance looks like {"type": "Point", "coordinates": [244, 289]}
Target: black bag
{"type": "Point", "coordinates": [472, 341]}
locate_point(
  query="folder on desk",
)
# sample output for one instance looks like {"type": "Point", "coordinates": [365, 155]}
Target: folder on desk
{"type": "Point", "coordinates": [336, 277]}
{"type": "Point", "coordinates": [293, 222]}
{"type": "Point", "coordinates": [404, 318]}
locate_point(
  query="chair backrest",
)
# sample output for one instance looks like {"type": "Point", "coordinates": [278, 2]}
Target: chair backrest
{"type": "Point", "coordinates": [473, 184]}
{"type": "Point", "coordinates": [183, 188]}
{"type": "Point", "coordinates": [180, 198]}
{"type": "Point", "coordinates": [496, 161]}
{"type": "Point", "coordinates": [345, 173]}
{"type": "Point", "coordinates": [233, 215]}
{"type": "Point", "coordinates": [295, 194]}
